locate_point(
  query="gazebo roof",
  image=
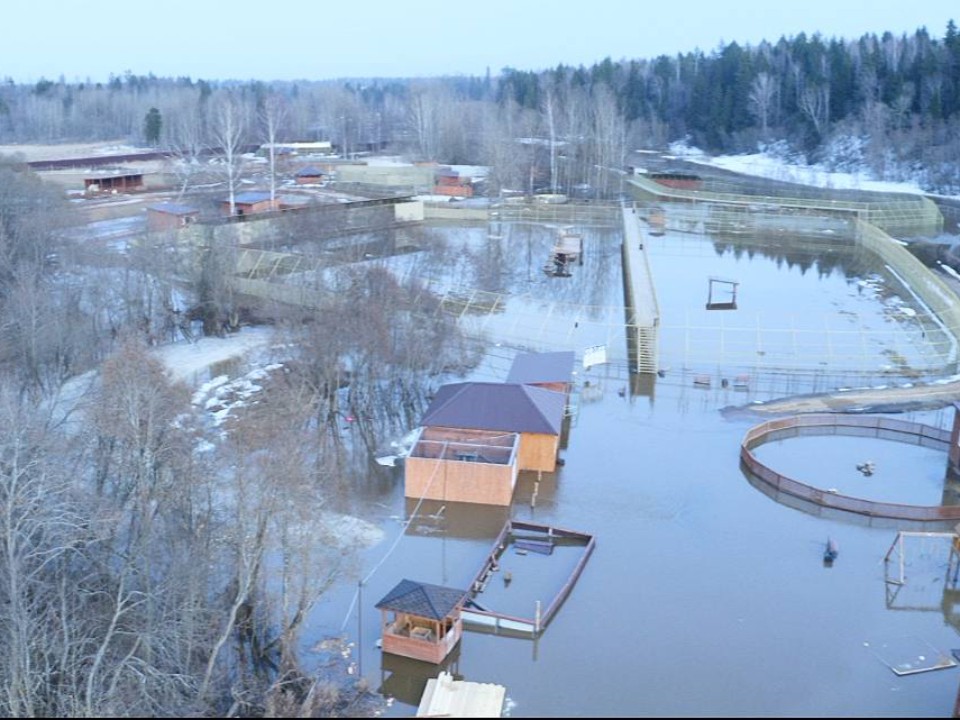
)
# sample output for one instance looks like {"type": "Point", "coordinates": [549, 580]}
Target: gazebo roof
{"type": "Point", "coordinates": [421, 599]}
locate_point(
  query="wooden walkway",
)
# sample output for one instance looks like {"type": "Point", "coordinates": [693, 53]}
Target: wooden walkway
{"type": "Point", "coordinates": [643, 312]}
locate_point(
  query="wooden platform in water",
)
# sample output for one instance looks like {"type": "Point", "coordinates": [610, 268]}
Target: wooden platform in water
{"type": "Point", "coordinates": [523, 537]}
{"type": "Point", "coordinates": [446, 697]}
{"type": "Point", "coordinates": [569, 244]}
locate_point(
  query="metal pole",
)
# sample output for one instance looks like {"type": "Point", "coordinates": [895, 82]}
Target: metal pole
{"type": "Point", "coordinates": [901, 561]}
{"type": "Point", "coordinates": [360, 628]}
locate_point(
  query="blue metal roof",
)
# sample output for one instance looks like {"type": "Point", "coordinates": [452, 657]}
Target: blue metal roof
{"type": "Point", "coordinates": [546, 367]}
{"type": "Point", "coordinates": [311, 171]}
{"type": "Point", "coordinates": [251, 196]}
{"type": "Point", "coordinates": [509, 407]}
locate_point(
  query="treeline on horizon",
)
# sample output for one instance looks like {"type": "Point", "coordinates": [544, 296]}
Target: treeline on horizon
{"type": "Point", "coordinates": [888, 102]}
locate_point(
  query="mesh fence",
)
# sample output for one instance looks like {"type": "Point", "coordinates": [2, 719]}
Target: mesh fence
{"type": "Point", "coordinates": [877, 427]}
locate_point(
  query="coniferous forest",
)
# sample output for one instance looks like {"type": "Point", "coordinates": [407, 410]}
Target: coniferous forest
{"type": "Point", "coordinates": [889, 103]}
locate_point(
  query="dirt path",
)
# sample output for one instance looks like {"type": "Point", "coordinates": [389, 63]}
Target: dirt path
{"type": "Point", "coordinates": [901, 399]}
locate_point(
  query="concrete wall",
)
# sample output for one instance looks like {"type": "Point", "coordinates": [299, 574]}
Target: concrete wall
{"type": "Point", "coordinates": [455, 214]}
{"type": "Point", "coordinates": [412, 211]}
{"type": "Point", "coordinates": [401, 175]}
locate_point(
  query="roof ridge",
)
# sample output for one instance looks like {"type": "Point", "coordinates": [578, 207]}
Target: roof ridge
{"type": "Point", "coordinates": [536, 405]}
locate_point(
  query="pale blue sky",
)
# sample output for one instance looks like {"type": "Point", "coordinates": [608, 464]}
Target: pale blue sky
{"type": "Point", "coordinates": [319, 39]}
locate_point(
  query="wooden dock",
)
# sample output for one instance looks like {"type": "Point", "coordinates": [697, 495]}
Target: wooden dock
{"type": "Point", "coordinates": [642, 310]}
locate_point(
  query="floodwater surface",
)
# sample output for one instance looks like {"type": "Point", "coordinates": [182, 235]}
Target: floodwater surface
{"type": "Point", "coordinates": [703, 596]}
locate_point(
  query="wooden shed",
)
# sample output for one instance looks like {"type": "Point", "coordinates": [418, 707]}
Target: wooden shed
{"type": "Point", "coordinates": [485, 415]}
{"type": "Point", "coordinates": [460, 465]}
{"type": "Point", "coordinates": [170, 216]}
{"type": "Point", "coordinates": [549, 370]}
{"type": "Point", "coordinates": [125, 182]}
{"type": "Point", "coordinates": [250, 203]}
{"type": "Point", "coordinates": [421, 621]}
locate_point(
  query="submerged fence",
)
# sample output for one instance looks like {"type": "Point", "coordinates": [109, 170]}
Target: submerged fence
{"type": "Point", "coordinates": [898, 214]}
{"type": "Point", "coordinates": [860, 426]}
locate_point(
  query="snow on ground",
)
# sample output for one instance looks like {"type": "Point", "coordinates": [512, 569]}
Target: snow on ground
{"type": "Point", "coordinates": [221, 395]}
{"type": "Point", "coordinates": [385, 160]}
{"type": "Point", "coordinates": [59, 151]}
{"type": "Point", "coordinates": [437, 198]}
{"type": "Point", "coordinates": [768, 166]}
{"type": "Point", "coordinates": [188, 361]}
{"type": "Point", "coordinates": [474, 172]}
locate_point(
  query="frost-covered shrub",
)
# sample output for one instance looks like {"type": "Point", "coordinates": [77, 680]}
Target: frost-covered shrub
{"type": "Point", "coordinates": [844, 153]}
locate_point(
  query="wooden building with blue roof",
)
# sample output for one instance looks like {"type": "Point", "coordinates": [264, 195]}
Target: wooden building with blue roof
{"type": "Point", "coordinates": [170, 216]}
{"type": "Point", "coordinates": [550, 370]}
{"type": "Point", "coordinates": [250, 202]}
{"type": "Point", "coordinates": [475, 437]}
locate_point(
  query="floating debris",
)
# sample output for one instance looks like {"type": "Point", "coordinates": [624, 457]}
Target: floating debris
{"type": "Point", "coordinates": [830, 552]}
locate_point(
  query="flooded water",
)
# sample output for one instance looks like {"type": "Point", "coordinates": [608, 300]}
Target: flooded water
{"type": "Point", "coordinates": [703, 596]}
{"type": "Point", "coordinates": [900, 473]}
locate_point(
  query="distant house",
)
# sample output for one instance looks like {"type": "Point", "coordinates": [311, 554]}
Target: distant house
{"type": "Point", "coordinates": [475, 438]}
{"type": "Point", "coordinates": [421, 621]}
{"type": "Point", "coordinates": [311, 175]}
{"type": "Point", "coordinates": [448, 181]}
{"type": "Point", "coordinates": [250, 202]}
{"type": "Point", "coordinates": [682, 181]}
{"type": "Point", "coordinates": [170, 216]}
{"type": "Point", "coordinates": [113, 183]}
{"type": "Point", "coordinates": [550, 370]}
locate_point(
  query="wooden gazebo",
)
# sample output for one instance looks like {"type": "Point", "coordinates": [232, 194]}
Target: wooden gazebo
{"type": "Point", "coordinates": [422, 621]}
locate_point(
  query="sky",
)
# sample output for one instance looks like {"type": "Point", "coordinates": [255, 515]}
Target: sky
{"type": "Point", "coordinates": [321, 39]}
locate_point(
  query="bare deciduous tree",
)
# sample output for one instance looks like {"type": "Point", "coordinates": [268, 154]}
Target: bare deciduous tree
{"type": "Point", "coordinates": [229, 132]}
{"type": "Point", "coordinates": [814, 102]}
{"type": "Point", "coordinates": [763, 92]}
{"type": "Point", "coordinates": [272, 116]}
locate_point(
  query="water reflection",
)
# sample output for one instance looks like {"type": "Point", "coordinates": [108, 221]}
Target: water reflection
{"type": "Point", "coordinates": [405, 679]}
{"type": "Point", "coordinates": [922, 573]}
{"type": "Point", "coordinates": [466, 521]}
{"type": "Point", "coordinates": [836, 514]}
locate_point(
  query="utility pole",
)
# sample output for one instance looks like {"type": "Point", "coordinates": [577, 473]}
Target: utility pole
{"type": "Point", "coordinates": [360, 628]}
